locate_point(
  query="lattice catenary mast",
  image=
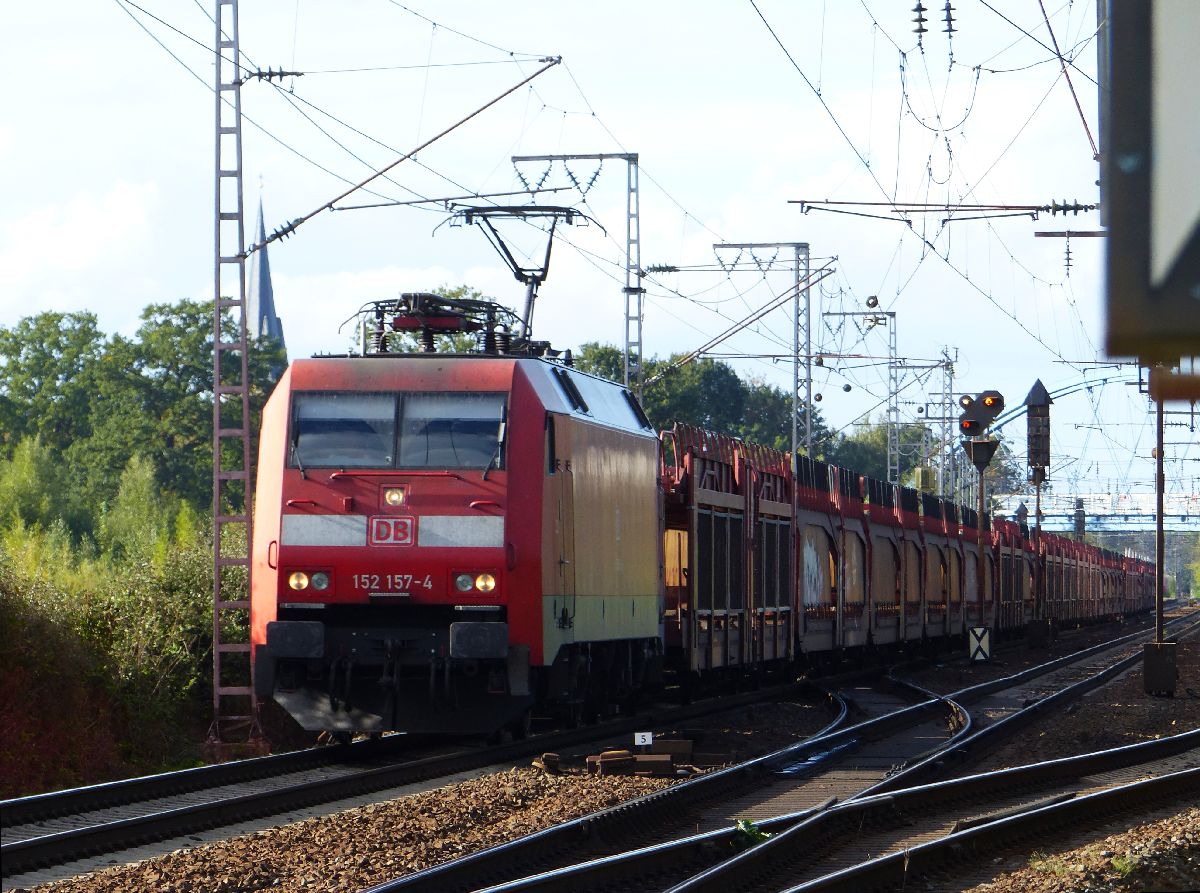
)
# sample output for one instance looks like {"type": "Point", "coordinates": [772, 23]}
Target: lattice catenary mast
{"type": "Point", "coordinates": [235, 709]}
{"type": "Point", "coordinates": [800, 265]}
{"type": "Point", "coordinates": [633, 257]}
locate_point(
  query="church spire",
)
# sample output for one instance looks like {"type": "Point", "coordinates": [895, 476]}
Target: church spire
{"type": "Point", "coordinates": [261, 320]}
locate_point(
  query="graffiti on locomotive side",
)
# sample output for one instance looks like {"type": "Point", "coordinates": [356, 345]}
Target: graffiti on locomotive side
{"type": "Point", "coordinates": [393, 531]}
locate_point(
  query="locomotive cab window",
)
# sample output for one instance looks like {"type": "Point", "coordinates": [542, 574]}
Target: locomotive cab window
{"type": "Point", "coordinates": [340, 430]}
{"type": "Point", "coordinates": [344, 430]}
{"type": "Point", "coordinates": [450, 430]}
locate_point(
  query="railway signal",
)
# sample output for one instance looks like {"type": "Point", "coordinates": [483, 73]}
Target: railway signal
{"type": "Point", "coordinates": [1037, 411]}
{"type": "Point", "coordinates": [979, 412]}
{"type": "Point", "coordinates": [968, 423]}
{"type": "Point", "coordinates": [993, 404]}
{"type": "Point", "coordinates": [980, 452]}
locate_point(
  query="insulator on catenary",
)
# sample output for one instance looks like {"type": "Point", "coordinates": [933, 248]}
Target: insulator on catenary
{"type": "Point", "coordinates": [919, 20]}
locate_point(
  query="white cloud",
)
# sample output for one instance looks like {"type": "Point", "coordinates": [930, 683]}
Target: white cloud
{"type": "Point", "coordinates": [73, 254]}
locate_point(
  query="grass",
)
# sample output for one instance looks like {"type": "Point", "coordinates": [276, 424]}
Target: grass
{"type": "Point", "coordinates": [1124, 865]}
{"type": "Point", "coordinates": [1046, 864]}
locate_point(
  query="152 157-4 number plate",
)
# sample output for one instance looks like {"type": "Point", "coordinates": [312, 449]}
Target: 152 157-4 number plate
{"type": "Point", "coordinates": [398, 583]}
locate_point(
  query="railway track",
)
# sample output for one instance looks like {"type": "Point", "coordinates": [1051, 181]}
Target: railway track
{"type": "Point", "coordinates": [101, 822]}
{"type": "Point", "coordinates": [776, 791]}
{"type": "Point", "coordinates": [833, 845]}
{"type": "Point", "coordinates": [109, 819]}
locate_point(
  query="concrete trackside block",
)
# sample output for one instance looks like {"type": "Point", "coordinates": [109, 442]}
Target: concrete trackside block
{"type": "Point", "coordinates": [654, 764]}
{"type": "Point", "coordinates": [679, 748]}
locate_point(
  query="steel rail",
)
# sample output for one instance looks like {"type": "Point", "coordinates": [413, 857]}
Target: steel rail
{"type": "Point", "coordinates": [792, 835]}
{"type": "Point", "coordinates": [467, 872]}
{"type": "Point", "coordinates": [72, 801]}
{"type": "Point", "coordinates": [35, 807]}
{"type": "Point", "coordinates": [898, 868]}
{"type": "Point", "coordinates": [53, 849]}
{"type": "Point", "coordinates": [1006, 726]}
{"type": "Point", "coordinates": [23, 810]}
{"type": "Point", "coordinates": [883, 725]}
{"type": "Point", "coordinates": [763, 856]}
{"type": "Point", "coordinates": [464, 872]}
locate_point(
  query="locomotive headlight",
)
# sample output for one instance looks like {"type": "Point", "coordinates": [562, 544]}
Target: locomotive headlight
{"type": "Point", "coordinates": [320, 582]}
{"type": "Point", "coordinates": [299, 580]}
{"type": "Point", "coordinates": [464, 582]}
{"type": "Point", "coordinates": [393, 496]}
{"type": "Point", "coordinates": [485, 582]}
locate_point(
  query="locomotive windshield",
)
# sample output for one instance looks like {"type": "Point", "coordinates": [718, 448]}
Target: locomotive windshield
{"type": "Point", "coordinates": [439, 430]}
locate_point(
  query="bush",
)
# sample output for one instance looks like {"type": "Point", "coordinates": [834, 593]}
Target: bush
{"type": "Point", "coordinates": [107, 662]}
{"type": "Point", "coordinates": [55, 708]}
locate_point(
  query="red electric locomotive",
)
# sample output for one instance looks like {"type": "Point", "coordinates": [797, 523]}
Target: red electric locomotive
{"type": "Point", "coordinates": [439, 539]}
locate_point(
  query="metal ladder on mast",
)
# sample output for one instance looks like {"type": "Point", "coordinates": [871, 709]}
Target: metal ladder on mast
{"type": "Point", "coordinates": [634, 292]}
{"type": "Point", "coordinates": [235, 707]}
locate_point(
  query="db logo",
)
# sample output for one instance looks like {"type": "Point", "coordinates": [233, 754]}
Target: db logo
{"type": "Point", "coordinates": [393, 531]}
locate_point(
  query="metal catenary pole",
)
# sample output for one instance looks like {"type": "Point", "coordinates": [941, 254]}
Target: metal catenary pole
{"type": "Point", "coordinates": [801, 262]}
{"type": "Point", "coordinates": [633, 290]}
{"type": "Point", "coordinates": [1160, 550]}
{"type": "Point", "coordinates": [235, 709]}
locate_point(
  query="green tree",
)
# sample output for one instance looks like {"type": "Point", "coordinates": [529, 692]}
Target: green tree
{"type": "Point", "coordinates": [133, 524]}
{"type": "Point", "coordinates": [172, 358]}
{"type": "Point", "coordinates": [95, 402]}
{"type": "Point", "coordinates": [865, 451]}
{"type": "Point", "coordinates": [31, 487]}
{"type": "Point", "coordinates": [1007, 473]}
{"type": "Point", "coordinates": [706, 393]}
{"type": "Point", "coordinates": [120, 425]}
{"type": "Point", "coordinates": [604, 360]}
{"type": "Point", "coordinates": [167, 395]}
{"type": "Point", "coordinates": [47, 365]}
{"type": "Point", "coordinates": [767, 415]}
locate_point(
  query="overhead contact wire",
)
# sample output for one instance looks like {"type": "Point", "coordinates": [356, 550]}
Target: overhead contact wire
{"type": "Point", "coordinates": [291, 227]}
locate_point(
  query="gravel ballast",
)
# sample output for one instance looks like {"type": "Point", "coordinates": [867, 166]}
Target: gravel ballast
{"type": "Point", "coordinates": [360, 847]}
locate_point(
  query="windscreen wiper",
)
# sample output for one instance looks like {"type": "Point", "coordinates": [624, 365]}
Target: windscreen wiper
{"type": "Point", "coordinates": [296, 454]}
{"type": "Point", "coordinates": [501, 435]}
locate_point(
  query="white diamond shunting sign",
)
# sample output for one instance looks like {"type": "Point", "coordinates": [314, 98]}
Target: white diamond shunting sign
{"type": "Point", "coordinates": [1150, 182]}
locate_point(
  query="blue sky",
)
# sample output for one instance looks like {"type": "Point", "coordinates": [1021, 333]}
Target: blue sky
{"type": "Point", "coordinates": [734, 108]}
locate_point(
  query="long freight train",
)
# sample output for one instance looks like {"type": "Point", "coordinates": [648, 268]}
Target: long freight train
{"type": "Point", "coordinates": [445, 542]}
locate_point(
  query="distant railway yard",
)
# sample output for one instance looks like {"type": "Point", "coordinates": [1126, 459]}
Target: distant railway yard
{"type": "Point", "coordinates": [941, 761]}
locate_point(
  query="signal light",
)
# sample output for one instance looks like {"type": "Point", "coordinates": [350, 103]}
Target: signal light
{"type": "Point", "coordinates": [991, 404]}
{"type": "Point", "coordinates": [979, 412]}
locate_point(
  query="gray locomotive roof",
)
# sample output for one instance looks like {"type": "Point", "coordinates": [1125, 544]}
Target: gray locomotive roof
{"type": "Point", "coordinates": [606, 400]}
